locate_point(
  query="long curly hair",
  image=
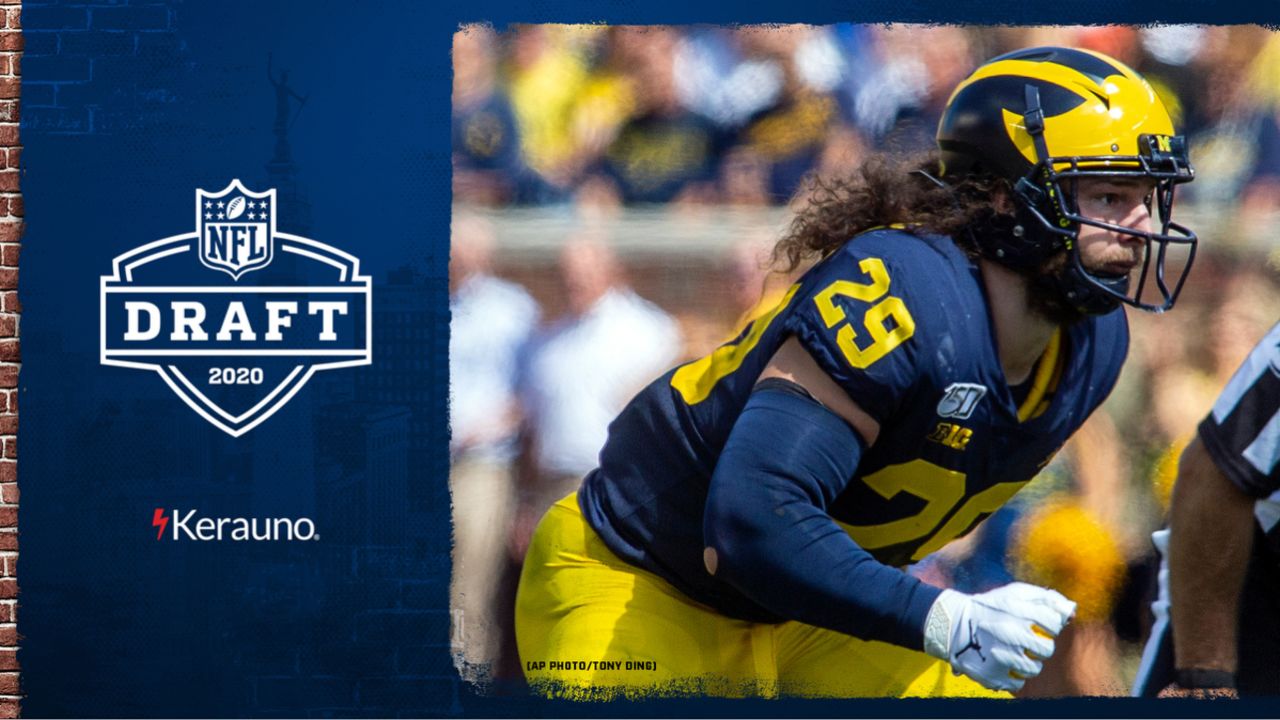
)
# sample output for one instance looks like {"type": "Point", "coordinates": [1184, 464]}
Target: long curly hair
{"type": "Point", "coordinates": [888, 190]}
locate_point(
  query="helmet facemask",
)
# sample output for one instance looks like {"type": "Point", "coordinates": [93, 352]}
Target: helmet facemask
{"type": "Point", "coordinates": [1048, 213]}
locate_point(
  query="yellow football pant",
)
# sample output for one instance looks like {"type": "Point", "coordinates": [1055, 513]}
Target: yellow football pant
{"type": "Point", "coordinates": [591, 626]}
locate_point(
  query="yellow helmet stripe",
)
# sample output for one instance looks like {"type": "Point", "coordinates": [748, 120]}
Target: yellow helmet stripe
{"type": "Point", "coordinates": [1063, 75]}
{"type": "Point", "coordinates": [1074, 133]}
{"type": "Point", "coordinates": [1067, 135]}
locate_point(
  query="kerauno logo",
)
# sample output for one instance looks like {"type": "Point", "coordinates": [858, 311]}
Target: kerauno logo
{"type": "Point", "coordinates": [188, 525]}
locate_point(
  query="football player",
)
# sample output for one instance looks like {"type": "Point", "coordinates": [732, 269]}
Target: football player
{"type": "Point", "coordinates": [746, 530]}
{"type": "Point", "coordinates": [1217, 629]}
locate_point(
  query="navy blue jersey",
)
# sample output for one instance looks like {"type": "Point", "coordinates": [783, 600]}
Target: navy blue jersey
{"type": "Point", "coordinates": [900, 322]}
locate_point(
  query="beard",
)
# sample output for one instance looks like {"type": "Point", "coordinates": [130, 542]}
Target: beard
{"type": "Point", "coordinates": [1046, 296]}
{"type": "Point", "coordinates": [1049, 283]}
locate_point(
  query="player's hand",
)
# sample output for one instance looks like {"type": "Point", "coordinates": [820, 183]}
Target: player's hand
{"type": "Point", "coordinates": [1175, 690]}
{"type": "Point", "coordinates": [1000, 638]}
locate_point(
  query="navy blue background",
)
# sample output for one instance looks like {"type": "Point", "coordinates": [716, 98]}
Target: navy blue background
{"type": "Point", "coordinates": [127, 109]}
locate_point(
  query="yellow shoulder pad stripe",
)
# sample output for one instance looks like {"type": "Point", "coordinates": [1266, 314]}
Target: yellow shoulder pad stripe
{"type": "Point", "coordinates": [695, 380]}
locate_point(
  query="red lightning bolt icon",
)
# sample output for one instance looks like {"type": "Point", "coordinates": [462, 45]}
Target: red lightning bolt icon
{"type": "Point", "coordinates": [160, 521]}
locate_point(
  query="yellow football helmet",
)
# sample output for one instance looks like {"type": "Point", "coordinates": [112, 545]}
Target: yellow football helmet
{"type": "Point", "coordinates": [1043, 117]}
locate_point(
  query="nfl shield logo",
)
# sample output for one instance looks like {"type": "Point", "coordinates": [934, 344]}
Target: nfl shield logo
{"type": "Point", "coordinates": [236, 228]}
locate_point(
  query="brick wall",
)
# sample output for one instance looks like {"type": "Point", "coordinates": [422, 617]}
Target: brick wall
{"type": "Point", "coordinates": [10, 235]}
{"type": "Point", "coordinates": [99, 66]}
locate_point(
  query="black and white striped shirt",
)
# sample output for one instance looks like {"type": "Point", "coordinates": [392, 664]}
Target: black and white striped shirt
{"type": "Point", "coordinates": [1242, 433]}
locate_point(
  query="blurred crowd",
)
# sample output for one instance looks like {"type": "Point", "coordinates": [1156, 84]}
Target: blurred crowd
{"type": "Point", "coordinates": [602, 116]}
{"type": "Point", "coordinates": [598, 119]}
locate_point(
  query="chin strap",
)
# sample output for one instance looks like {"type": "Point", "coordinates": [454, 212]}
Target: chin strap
{"type": "Point", "coordinates": [1034, 120]}
{"type": "Point", "coordinates": [1033, 193]}
{"type": "Point", "coordinates": [1086, 300]}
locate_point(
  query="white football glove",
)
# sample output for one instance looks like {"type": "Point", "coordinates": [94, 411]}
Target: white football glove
{"type": "Point", "coordinates": [1000, 638]}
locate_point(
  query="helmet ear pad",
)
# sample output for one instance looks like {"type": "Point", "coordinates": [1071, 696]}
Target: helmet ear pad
{"type": "Point", "coordinates": [1016, 232]}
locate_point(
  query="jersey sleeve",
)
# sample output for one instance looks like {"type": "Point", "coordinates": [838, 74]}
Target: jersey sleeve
{"type": "Point", "coordinates": [1242, 432]}
{"type": "Point", "coordinates": [866, 315]}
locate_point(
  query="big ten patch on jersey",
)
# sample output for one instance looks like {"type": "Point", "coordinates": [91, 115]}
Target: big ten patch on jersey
{"type": "Point", "coordinates": [958, 403]}
{"type": "Point", "coordinates": [954, 436]}
{"type": "Point", "coordinates": [237, 316]}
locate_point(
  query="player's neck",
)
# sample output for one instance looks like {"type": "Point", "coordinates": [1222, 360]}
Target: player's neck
{"type": "Point", "coordinates": [1021, 333]}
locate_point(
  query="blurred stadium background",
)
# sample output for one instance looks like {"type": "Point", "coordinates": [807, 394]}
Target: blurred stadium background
{"type": "Point", "coordinates": [680, 152]}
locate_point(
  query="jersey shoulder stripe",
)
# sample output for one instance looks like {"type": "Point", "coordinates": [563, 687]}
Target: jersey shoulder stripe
{"type": "Point", "coordinates": [1264, 356]}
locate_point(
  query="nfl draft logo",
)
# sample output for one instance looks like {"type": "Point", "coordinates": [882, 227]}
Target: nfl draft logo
{"type": "Point", "coordinates": [237, 316]}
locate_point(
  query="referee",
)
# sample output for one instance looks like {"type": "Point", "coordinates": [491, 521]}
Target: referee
{"type": "Point", "coordinates": [1217, 617]}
